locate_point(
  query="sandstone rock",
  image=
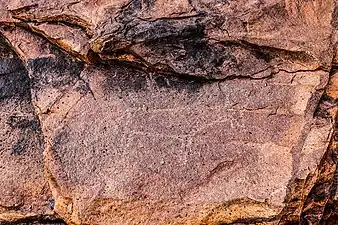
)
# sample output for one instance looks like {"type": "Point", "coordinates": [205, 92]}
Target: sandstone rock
{"type": "Point", "coordinates": [24, 191]}
{"type": "Point", "coordinates": [168, 112]}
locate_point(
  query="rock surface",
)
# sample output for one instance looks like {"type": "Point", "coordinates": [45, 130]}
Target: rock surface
{"type": "Point", "coordinates": [168, 112]}
{"type": "Point", "coordinates": [21, 141]}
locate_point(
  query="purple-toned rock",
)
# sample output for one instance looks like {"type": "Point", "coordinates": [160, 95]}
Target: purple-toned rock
{"type": "Point", "coordinates": [168, 112]}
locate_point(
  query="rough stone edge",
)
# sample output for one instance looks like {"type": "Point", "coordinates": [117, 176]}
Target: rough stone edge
{"type": "Point", "coordinates": [64, 205]}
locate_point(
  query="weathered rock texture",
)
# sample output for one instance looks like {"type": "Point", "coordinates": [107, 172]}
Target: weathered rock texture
{"type": "Point", "coordinates": [168, 112]}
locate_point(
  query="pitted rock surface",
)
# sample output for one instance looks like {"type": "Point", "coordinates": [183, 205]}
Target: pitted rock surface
{"type": "Point", "coordinates": [24, 190]}
{"type": "Point", "coordinates": [168, 112]}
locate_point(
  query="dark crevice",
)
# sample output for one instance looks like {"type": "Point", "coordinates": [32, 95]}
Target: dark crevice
{"type": "Point", "coordinates": [200, 14]}
{"type": "Point", "coordinates": [37, 220]}
{"type": "Point", "coordinates": [331, 207]}
{"type": "Point", "coordinates": [194, 78]}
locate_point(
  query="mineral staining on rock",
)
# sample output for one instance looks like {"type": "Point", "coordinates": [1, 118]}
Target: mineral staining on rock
{"type": "Point", "coordinates": [24, 190]}
{"type": "Point", "coordinates": [195, 147]}
{"type": "Point", "coordinates": [156, 112]}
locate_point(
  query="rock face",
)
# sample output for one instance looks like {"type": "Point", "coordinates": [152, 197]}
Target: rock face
{"type": "Point", "coordinates": [21, 141]}
{"type": "Point", "coordinates": [168, 112]}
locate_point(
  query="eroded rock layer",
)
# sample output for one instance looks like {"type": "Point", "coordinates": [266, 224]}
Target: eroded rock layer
{"type": "Point", "coordinates": [168, 112]}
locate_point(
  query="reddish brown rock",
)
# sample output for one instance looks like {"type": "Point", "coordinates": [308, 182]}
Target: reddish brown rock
{"type": "Point", "coordinates": [180, 112]}
{"type": "Point", "coordinates": [166, 145]}
{"type": "Point", "coordinates": [24, 191]}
